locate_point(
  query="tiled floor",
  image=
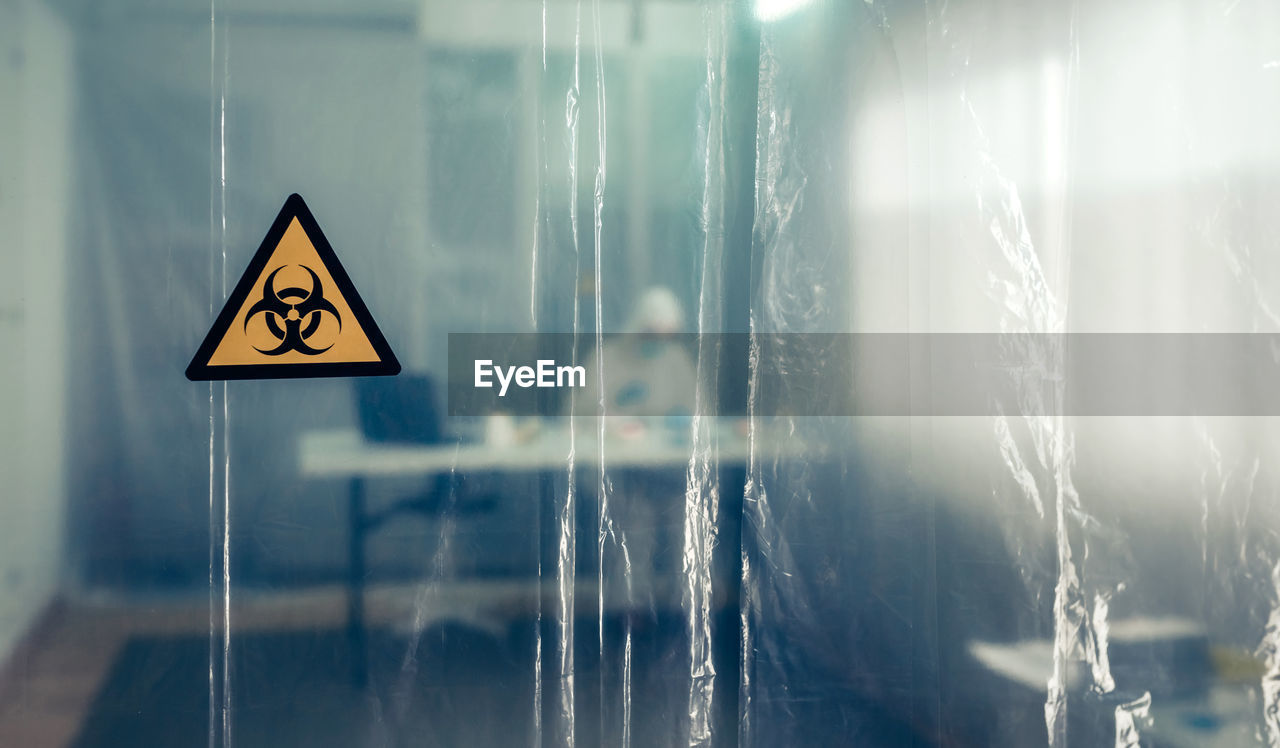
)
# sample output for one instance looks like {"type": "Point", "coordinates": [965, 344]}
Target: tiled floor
{"type": "Point", "coordinates": [51, 687]}
{"type": "Point", "coordinates": [50, 684]}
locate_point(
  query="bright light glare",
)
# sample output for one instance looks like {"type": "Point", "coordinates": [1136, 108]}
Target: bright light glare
{"type": "Point", "coordinates": [772, 10]}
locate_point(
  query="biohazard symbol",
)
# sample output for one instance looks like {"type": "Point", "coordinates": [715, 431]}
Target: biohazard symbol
{"type": "Point", "coordinates": [294, 313]}
{"type": "Point", "coordinates": [308, 308]}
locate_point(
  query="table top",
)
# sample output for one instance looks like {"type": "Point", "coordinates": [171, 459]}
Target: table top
{"type": "Point", "coordinates": [1227, 715]}
{"type": "Point", "coordinates": [338, 453]}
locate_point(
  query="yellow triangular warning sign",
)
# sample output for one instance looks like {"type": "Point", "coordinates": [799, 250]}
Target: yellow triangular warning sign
{"type": "Point", "coordinates": [294, 313]}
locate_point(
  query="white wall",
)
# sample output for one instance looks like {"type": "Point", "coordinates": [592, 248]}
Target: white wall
{"type": "Point", "coordinates": [35, 82]}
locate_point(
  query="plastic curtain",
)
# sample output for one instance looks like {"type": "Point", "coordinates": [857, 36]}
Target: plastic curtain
{"type": "Point", "coordinates": [779, 166]}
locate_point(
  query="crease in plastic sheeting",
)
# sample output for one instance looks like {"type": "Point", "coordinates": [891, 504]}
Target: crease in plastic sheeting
{"type": "Point", "coordinates": [540, 151]}
{"type": "Point", "coordinates": [565, 541]}
{"type": "Point", "coordinates": [422, 607]}
{"type": "Point", "coordinates": [1251, 556]}
{"type": "Point", "coordinates": [702, 491]}
{"type": "Point", "coordinates": [781, 182]}
{"type": "Point", "coordinates": [780, 188]}
{"type": "Point", "coordinates": [1238, 257]}
{"type": "Point", "coordinates": [1248, 559]}
{"type": "Point", "coordinates": [1131, 719]}
{"type": "Point", "coordinates": [749, 605]}
{"type": "Point", "coordinates": [1270, 650]}
{"type": "Point", "coordinates": [1031, 304]}
{"type": "Point", "coordinates": [539, 148]}
{"type": "Point", "coordinates": [604, 522]}
{"type": "Point", "coordinates": [220, 633]}
{"type": "Point", "coordinates": [780, 185]}
{"type": "Point", "coordinates": [1007, 445]}
{"type": "Point", "coordinates": [1080, 621]}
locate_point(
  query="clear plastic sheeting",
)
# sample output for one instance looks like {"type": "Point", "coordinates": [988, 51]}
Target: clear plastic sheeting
{"type": "Point", "coordinates": [338, 562]}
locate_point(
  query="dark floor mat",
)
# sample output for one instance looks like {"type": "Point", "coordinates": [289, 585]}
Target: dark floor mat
{"type": "Point", "coordinates": [295, 689]}
{"type": "Point", "coordinates": [451, 686]}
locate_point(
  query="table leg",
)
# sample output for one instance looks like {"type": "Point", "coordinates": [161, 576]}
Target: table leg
{"type": "Point", "coordinates": [355, 584]}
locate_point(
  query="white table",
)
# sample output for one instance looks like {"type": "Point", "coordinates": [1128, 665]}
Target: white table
{"type": "Point", "coordinates": [1226, 716]}
{"type": "Point", "coordinates": [345, 454]}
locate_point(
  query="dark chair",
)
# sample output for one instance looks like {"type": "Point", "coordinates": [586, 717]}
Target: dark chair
{"type": "Point", "coordinates": [405, 410]}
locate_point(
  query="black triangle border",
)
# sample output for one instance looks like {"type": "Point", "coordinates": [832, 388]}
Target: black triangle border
{"type": "Point", "coordinates": [199, 369]}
